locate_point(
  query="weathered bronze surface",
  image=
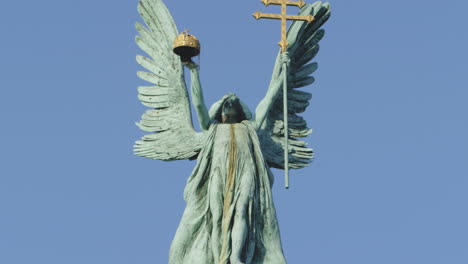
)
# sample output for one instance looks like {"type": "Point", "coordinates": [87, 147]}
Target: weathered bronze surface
{"type": "Point", "coordinates": [230, 217]}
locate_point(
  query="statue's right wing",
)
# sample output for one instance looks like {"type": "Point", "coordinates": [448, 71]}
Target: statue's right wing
{"type": "Point", "coordinates": [173, 136]}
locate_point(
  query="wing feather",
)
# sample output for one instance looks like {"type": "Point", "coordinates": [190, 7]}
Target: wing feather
{"type": "Point", "coordinates": [311, 42]}
{"type": "Point", "coordinates": [304, 71]}
{"type": "Point", "coordinates": [299, 96]}
{"type": "Point", "coordinates": [301, 83]}
{"type": "Point", "coordinates": [149, 15]}
{"type": "Point", "coordinates": [153, 78]}
{"type": "Point", "coordinates": [306, 57]}
{"type": "Point", "coordinates": [154, 90]}
{"type": "Point", "coordinates": [152, 66]}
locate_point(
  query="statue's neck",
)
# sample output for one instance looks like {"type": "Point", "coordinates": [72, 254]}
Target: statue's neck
{"type": "Point", "coordinates": [229, 120]}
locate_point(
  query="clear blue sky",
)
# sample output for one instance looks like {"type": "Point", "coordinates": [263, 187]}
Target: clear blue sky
{"type": "Point", "coordinates": [389, 183]}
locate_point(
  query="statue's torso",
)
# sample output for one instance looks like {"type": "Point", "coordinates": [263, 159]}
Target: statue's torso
{"type": "Point", "coordinates": [233, 147]}
{"type": "Point", "coordinates": [227, 132]}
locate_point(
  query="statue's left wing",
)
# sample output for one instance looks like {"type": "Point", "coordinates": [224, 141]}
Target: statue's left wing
{"type": "Point", "coordinates": [173, 136]}
{"type": "Point", "coordinates": [303, 41]}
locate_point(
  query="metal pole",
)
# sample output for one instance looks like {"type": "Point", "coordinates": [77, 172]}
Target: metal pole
{"type": "Point", "coordinates": [285, 59]}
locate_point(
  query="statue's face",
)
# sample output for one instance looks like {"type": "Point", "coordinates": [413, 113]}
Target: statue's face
{"type": "Point", "coordinates": [232, 111]}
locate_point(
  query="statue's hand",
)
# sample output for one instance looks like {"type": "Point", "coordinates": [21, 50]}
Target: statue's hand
{"type": "Point", "coordinates": [191, 65]}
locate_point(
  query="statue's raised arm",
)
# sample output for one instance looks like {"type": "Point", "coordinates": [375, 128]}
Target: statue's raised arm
{"type": "Point", "coordinates": [303, 41]}
{"type": "Point", "coordinates": [173, 136]}
{"type": "Point", "coordinates": [197, 97]}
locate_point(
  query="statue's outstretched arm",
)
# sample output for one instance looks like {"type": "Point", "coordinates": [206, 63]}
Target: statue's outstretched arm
{"type": "Point", "coordinates": [197, 97]}
{"type": "Point", "coordinates": [265, 105]}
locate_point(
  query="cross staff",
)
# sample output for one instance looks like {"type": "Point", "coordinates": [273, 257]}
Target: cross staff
{"type": "Point", "coordinates": [284, 17]}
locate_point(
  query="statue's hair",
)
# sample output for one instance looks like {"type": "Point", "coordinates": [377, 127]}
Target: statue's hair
{"type": "Point", "coordinates": [217, 108]}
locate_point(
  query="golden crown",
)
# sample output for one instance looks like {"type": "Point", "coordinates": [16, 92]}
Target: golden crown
{"type": "Point", "coordinates": [186, 45]}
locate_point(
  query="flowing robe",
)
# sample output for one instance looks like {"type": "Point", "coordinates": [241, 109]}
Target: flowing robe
{"type": "Point", "coordinates": [231, 175]}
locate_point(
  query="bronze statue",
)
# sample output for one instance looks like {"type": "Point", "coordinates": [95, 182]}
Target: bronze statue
{"type": "Point", "coordinates": [230, 217]}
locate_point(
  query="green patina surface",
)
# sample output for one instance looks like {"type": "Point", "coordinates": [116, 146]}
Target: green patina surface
{"type": "Point", "coordinates": [230, 217]}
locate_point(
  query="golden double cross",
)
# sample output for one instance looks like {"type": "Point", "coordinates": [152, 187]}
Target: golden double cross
{"type": "Point", "coordinates": [283, 17]}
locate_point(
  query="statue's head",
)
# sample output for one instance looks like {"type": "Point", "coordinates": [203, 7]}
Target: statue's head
{"type": "Point", "coordinates": [230, 110]}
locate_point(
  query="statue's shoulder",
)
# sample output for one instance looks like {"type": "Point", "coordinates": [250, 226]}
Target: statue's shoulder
{"type": "Point", "coordinates": [250, 125]}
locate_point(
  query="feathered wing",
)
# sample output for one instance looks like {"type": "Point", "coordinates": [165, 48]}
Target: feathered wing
{"type": "Point", "coordinates": [173, 136]}
{"type": "Point", "coordinates": [303, 41]}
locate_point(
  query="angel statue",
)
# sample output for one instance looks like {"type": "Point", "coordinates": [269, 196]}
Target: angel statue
{"type": "Point", "coordinates": [229, 216]}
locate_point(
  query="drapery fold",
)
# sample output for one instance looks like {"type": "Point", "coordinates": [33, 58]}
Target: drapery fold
{"type": "Point", "coordinates": [200, 238]}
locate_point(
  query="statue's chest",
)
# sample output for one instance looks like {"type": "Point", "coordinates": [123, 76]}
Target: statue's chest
{"type": "Point", "coordinates": [232, 152]}
{"type": "Point", "coordinates": [227, 134]}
